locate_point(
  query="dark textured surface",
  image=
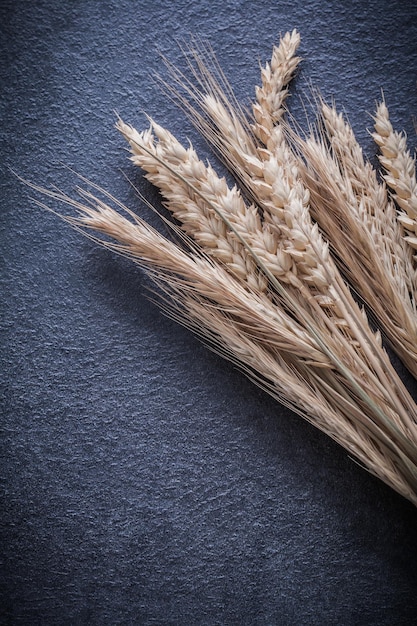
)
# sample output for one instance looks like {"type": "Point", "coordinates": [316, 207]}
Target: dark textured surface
{"type": "Point", "coordinates": [144, 481]}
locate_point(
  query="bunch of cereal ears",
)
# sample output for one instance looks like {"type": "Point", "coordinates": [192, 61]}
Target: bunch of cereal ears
{"type": "Point", "coordinates": [262, 270]}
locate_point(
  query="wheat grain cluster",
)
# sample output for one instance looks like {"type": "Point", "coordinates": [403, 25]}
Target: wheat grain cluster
{"type": "Point", "coordinates": [264, 270]}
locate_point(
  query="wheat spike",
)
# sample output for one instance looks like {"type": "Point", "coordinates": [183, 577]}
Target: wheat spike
{"type": "Point", "coordinates": [400, 174]}
{"type": "Point", "coordinates": [195, 211]}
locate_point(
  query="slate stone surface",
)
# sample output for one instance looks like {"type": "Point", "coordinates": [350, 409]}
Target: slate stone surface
{"type": "Point", "coordinates": [144, 480]}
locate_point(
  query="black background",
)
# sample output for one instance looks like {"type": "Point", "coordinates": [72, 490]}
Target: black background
{"type": "Point", "coordinates": [144, 480]}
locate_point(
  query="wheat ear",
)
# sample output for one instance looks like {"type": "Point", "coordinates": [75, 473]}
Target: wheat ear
{"type": "Point", "coordinates": [400, 174]}
{"type": "Point", "coordinates": [196, 196]}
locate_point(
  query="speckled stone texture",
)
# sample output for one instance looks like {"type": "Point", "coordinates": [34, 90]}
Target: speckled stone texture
{"type": "Point", "coordinates": [144, 480]}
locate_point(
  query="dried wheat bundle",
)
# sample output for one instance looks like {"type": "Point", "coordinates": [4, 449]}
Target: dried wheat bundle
{"type": "Point", "coordinates": [249, 270]}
